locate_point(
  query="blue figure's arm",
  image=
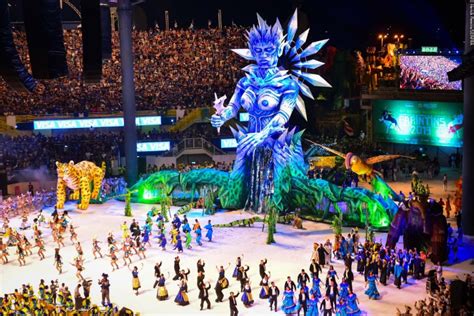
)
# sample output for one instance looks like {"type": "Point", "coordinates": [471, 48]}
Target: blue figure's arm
{"type": "Point", "coordinates": [232, 108]}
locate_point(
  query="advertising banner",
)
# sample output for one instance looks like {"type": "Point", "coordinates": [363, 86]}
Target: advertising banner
{"type": "Point", "coordinates": [93, 122]}
{"type": "Point", "coordinates": [418, 122]}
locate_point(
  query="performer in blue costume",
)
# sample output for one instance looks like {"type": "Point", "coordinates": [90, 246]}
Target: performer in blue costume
{"type": "Point", "coordinates": [209, 230]}
{"type": "Point", "coordinates": [343, 289]}
{"type": "Point", "coordinates": [332, 275]}
{"type": "Point", "coordinates": [312, 306]}
{"type": "Point", "coordinates": [237, 273]}
{"type": "Point", "coordinates": [288, 306]}
{"type": "Point", "coordinates": [344, 246]}
{"type": "Point", "coordinates": [182, 297]}
{"type": "Point", "coordinates": [372, 291]}
{"type": "Point", "coordinates": [146, 236]}
{"type": "Point", "coordinates": [176, 221]}
{"type": "Point", "coordinates": [352, 304]}
{"type": "Point", "coordinates": [265, 290]}
{"type": "Point", "coordinates": [160, 223]}
{"type": "Point", "coordinates": [316, 289]}
{"type": "Point", "coordinates": [179, 243]}
{"type": "Point", "coordinates": [162, 238]}
{"type": "Point", "coordinates": [398, 272]}
{"type": "Point", "coordinates": [198, 235]}
{"type": "Point", "coordinates": [247, 297]}
{"type": "Point", "coordinates": [305, 288]}
{"type": "Point", "coordinates": [341, 307]}
{"type": "Point", "coordinates": [186, 228]}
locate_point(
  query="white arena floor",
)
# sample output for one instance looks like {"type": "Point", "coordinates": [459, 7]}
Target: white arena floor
{"type": "Point", "coordinates": [287, 256]}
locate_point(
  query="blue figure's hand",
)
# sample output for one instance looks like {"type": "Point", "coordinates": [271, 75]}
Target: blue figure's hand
{"type": "Point", "coordinates": [217, 120]}
{"type": "Point", "coordinates": [252, 140]}
{"type": "Point", "coordinates": [248, 144]}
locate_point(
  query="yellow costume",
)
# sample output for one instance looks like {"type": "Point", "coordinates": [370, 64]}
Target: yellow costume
{"type": "Point", "coordinates": [78, 177]}
{"type": "Point", "coordinates": [174, 234]}
{"type": "Point", "coordinates": [136, 283]}
{"type": "Point", "coordinates": [162, 293]}
{"type": "Point", "coordinates": [125, 232]}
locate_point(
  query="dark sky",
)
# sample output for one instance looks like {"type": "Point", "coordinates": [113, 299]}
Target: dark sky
{"type": "Point", "coordinates": [348, 24]}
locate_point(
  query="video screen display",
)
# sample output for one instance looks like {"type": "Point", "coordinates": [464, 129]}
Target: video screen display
{"type": "Point", "coordinates": [244, 117]}
{"type": "Point", "coordinates": [428, 72]}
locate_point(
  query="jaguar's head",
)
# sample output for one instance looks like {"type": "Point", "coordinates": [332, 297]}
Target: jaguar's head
{"type": "Point", "coordinates": [64, 169]}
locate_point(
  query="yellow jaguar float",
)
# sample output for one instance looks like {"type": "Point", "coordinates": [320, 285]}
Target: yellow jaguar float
{"type": "Point", "coordinates": [79, 177]}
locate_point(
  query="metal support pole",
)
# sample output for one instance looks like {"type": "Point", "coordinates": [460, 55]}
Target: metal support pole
{"type": "Point", "coordinates": [467, 169]}
{"type": "Point", "coordinates": [219, 19]}
{"type": "Point", "coordinates": [128, 90]}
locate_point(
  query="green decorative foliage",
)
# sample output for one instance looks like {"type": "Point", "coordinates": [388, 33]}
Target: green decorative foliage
{"type": "Point", "coordinates": [336, 224]}
{"type": "Point", "coordinates": [128, 207]}
{"type": "Point", "coordinates": [272, 216]}
{"type": "Point", "coordinates": [381, 187]}
{"type": "Point", "coordinates": [149, 190]}
{"type": "Point", "coordinates": [419, 188]}
{"type": "Point", "coordinates": [209, 201]}
{"type": "Point", "coordinates": [317, 198]}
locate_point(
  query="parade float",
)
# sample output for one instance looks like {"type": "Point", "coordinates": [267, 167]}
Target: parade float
{"type": "Point", "coordinates": [270, 167]}
{"type": "Point", "coordinates": [84, 179]}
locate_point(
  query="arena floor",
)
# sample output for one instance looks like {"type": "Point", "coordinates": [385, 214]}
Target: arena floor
{"type": "Point", "coordinates": [287, 256]}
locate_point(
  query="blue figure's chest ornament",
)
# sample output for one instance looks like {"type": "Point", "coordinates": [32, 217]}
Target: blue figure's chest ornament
{"type": "Point", "coordinates": [264, 94]}
{"type": "Point", "coordinates": [264, 99]}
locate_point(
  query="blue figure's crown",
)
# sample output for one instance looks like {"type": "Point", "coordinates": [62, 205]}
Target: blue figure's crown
{"type": "Point", "coordinates": [263, 33]}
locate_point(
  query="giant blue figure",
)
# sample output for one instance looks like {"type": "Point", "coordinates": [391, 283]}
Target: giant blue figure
{"type": "Point", "coordinates": [269, 159]}
{"type": "Point", "coordinates": [269, 93]}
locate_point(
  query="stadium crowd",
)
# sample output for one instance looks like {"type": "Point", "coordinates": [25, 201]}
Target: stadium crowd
{"type": "Point", "coordinates": [180, 68]}
{"type": "Point", "coordinates": [427, 73]}
{"type": "Point", "coordinates": [38, 150]}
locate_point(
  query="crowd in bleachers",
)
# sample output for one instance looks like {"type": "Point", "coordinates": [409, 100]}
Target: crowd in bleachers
{"type": "Point", "coordinates": [173, 69]}
{"type": "Point", "coordinates": [38, 150]}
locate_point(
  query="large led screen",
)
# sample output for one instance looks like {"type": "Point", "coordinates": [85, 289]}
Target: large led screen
{"type": "Point", "coordinates": [428, 72]}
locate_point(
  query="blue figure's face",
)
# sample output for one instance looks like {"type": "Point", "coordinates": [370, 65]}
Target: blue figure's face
{"type": "Point", "coordinates": [266, 54]}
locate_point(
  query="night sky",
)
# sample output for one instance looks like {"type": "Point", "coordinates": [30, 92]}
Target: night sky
{"type": "Point", "coordinates": [348, 24]}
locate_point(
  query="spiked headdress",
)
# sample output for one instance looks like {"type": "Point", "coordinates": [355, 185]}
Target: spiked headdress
{"type": "Point", "coordinates": [296, 55]}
